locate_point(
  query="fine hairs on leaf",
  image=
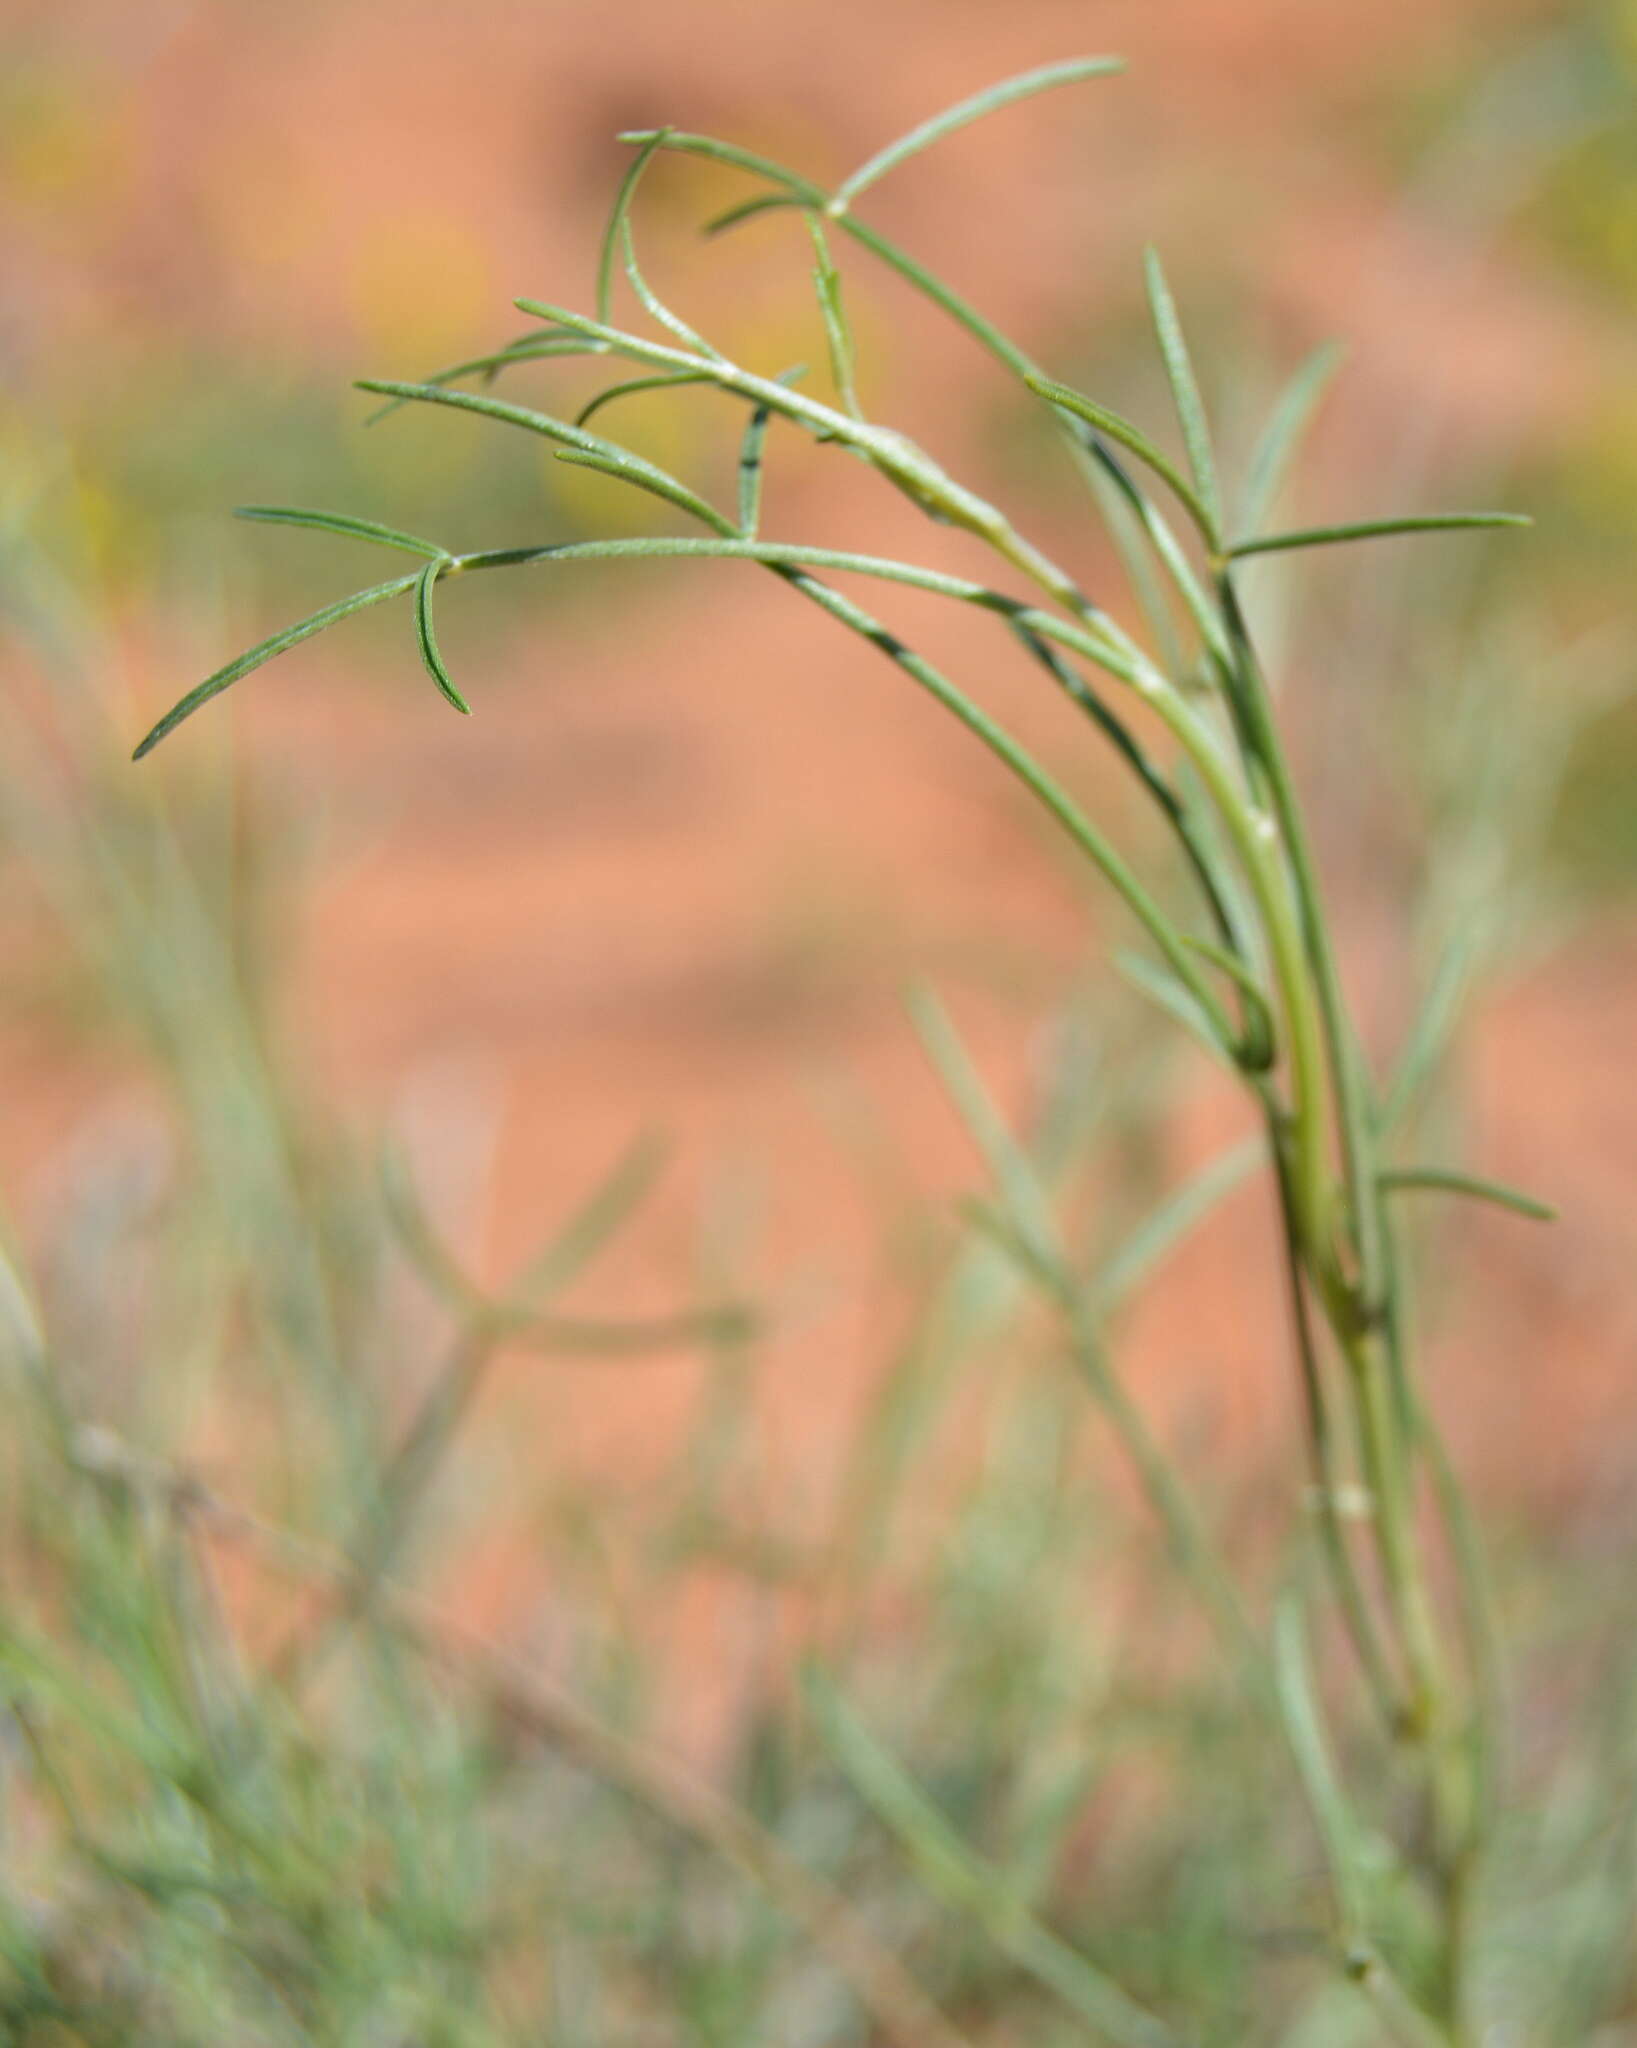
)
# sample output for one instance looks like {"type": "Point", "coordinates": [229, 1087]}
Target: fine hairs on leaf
{"type": "Point", "coordinates": [1239, 950]}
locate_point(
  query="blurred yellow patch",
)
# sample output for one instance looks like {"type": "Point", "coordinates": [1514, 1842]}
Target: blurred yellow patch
{"type": "Point", "coordinates": [1623, 33]}
{"type": "Point", "coordinates": [1600, 471]}
{"type": "Point", "coordinates": [421, 292]}
{"type": "Point", "coordinates": [58, 147]}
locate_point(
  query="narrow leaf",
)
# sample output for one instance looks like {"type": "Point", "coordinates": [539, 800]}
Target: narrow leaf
{"type": "Point", "coordinates": [1167, 548]}
{"type": "Point", "coordinates": [655, 306]}
{"type": "Point", "coordinates": [527, 348]}
{"type": "Point", "coordinates": [634, 385]}
{"type": "Point", "coordinates": [224, 678]}
{"type": "Point", "coordinates": [342, 523]}
{"type": "Point", "coordinates": [747, 209]}
{"type": "Point", "coordinates": [618, 224]}
{"type": "Point", "coordinates": [1184, 390]}
{"type": "Point", "coordinates": [592, 449]}
{"type": "Point", "coordinates": [1120, 429]}
{"type": "Point", "coordinates": [837, 333]}
{"type": "Point", "coordinates": [1128, 534]}
{"type": "Point", "coordinates": [1443, 1180]}
{"type": "Point", "coordinates": [429, 640]}
{"type": "Point", "coordinates": [973, 109]}
{"type": "Point", "coordinates": [647, 478]}
{"type": "Point", "coordinates": [1376, 529]}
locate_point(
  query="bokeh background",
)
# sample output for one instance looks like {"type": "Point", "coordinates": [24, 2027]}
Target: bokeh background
{"type": "Point", "coordinates": [677, 871]}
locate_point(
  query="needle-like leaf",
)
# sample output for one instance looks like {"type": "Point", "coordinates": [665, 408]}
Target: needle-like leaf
{"type": "Point", "coordinates": [1190, 406]}
{"type": "Point", "coordinates": [428, 639]}
{"type": "Point", "coordinates": [1006, 94]}
{"type": "Point", "coordinates": [748, 209]}
{"type": "Point", "coordinates": [264, 651]}
{"type": "Point", "coordinates": [618, 224]}
{"type": "Point", "coordinates": [655, 307]}
{"type": "Point", "coordinates": [528, 348]}
{"type": "Point", "coordinates": [837, 333]}
{"type": "Point", "coordinates": [633, 385]}
{"type": "Point", "coordinates": [343, 523]}
{"type": "Point", "coordinates": [655, 481]}
{"type": "Point", "coordinates": [1375, 529]}
{"type": "Point", "coordinates": [591, 449]}
{"type": "Point", "coordinates": [1443, 1180]}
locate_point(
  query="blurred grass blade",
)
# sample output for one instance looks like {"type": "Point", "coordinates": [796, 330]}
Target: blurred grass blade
{"type": "Point", "coordinates": [1190, 406]}
{"type": "Point", "coordinates": [827, 283]}
{"type": "Point", "coordinates": [1174, 1219]}
{"type": "Point", "coordinates": [1338, 1833]}
{"type": "Point", "coordinates": [567, 1254]}
{"type": "Point", "coordinates": [961, 1879]}
{"type": "Point", "coordinates": [1003, 1157]}
{"type": "Point", "coordinates": [1443, 1180]}
{"type": "Point", "coordinates": [276, 644]}
{"type": "Point", "coordinates": [596, 1222]}
{"type": "Point", "coordinates": [428, 639]}
{"type": "Point", "coordinates": [1375, 529]}
{"type": "Point", "coordinates": [343, 523]}
{"type": "Point", "coordinates": [1430, 1033]}
{"type": "Point", "coordinates": [523, 1317]}
{"type": "Point", "coordinates": [1274, 452]}
{"type": "Point", "coordinates": [21, 1335]}
{"type": "Point", "coordinates": [1117, 428]}
{"type": "Point", "coordinates": [1004, 95]}
{"type": "Point", "coordinates": [1177, 1001]}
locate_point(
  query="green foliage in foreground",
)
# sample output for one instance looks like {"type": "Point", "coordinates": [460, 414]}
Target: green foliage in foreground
{"type": "Point", "coordinates": [1093, 1788]}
